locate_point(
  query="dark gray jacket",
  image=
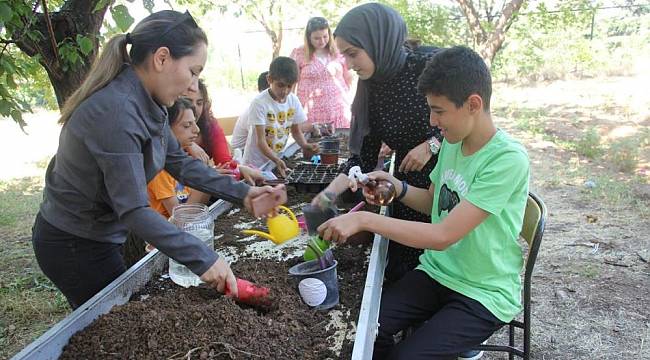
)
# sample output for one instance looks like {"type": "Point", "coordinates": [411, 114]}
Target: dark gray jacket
{"type": "Point", "coordinates": [114, 143]}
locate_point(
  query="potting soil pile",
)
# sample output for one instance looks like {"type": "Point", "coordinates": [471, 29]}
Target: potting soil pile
{"type": "Point", "coordinates": [165, 321]}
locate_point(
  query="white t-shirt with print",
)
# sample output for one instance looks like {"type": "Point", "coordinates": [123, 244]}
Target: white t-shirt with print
{"type": "Point", "coordinates": [277, 119]}
{"type": "Point", "coordinates": [240, 131]}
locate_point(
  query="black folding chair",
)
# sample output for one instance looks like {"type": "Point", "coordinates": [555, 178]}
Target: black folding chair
{"type": "Point", "coordinates": [531, 231]}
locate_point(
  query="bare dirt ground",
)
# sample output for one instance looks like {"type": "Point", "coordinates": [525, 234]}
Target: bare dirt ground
{"type": "Point", "coordinates": [592, 279]}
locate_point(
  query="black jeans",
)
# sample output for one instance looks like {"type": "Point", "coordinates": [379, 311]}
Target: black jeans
{"type": "Point", "coordinates": [449, 323]}
{"type": "Point", "coordinates": [79, 267]}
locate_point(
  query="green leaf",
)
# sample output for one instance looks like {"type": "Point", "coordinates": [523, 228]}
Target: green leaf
{"type": "Point", "coordinates": [5, 107]}
{"type": "Point", "coordinates": [35, 35]}
{"type": "Point", "coordinates": [122, 18]}
{"type": "Point", "coordinates": [4, 92]}
{"type": "Point", "coordinates": [85, 44]}
{"type": "Point", "coordinates": [10, 81]}
{"type": "Point", "coordinates": [5, 13]}
{"type": "Point", "coordinates": [18, 117]}
{"type": "Point", "coordinates": [76, 58]}
{"type": "Point", "coordinates": [101, 4]}
{"type": "Point", "coordinates": [8, 64]}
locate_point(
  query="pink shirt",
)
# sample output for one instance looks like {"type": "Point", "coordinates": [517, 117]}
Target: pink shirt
{"type": "Point", "coordinates": [322, 89]}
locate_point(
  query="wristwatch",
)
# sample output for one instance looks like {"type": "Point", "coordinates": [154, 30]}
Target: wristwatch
{"type": "Point", "coordinates": [434, 145]}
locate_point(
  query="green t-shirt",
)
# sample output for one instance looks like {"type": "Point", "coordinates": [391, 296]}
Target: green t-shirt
{"type": "Point", "coordinates": [485, 264]}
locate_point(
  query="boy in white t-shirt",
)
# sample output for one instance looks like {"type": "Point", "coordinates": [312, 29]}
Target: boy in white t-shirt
{"type": "Point", "coordinates": [273, 114]}
{"type": "Point", "coordinates": [240, 131]}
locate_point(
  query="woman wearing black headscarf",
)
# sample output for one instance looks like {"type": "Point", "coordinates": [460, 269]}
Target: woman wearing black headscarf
{"type": "Point", "coordinates": [387, 107]}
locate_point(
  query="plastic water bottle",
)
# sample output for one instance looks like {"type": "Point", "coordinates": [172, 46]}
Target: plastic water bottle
{"type": "Point", "coordinates": [194, 219]}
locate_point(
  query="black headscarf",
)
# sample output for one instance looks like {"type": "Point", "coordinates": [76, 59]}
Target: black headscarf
{"type": "Point", "coordinates": [381, 32]}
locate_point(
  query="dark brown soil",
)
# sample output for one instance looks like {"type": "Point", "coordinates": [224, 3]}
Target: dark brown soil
{"type": "Point", "coordinates": [170, 322]}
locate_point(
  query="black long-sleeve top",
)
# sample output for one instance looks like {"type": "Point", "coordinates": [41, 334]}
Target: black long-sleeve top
{"type": "Point", "coordinates": [399, 116]}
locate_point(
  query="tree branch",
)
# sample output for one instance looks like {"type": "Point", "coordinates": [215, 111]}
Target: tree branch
{"type": "Point", "coordinates": [507, 13]}
{"type": "Point", "coordinates": [3, 50]}
{"type": "Point", "coordinates": [50, 30]}
{"type": "Point", "coordinates": [82, 6]}
{"type": "Point", "coordinates": [498, 36]}
{"type": "Point", "coordinates": [473, 21]}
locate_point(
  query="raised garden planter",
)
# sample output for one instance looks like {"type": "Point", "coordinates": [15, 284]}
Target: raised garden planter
{"type": "Point", "coordinates": [315, 339]}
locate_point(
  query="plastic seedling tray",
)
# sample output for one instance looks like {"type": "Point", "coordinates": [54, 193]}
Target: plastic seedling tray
{"type": "Point", "coordinates": [313, 178]}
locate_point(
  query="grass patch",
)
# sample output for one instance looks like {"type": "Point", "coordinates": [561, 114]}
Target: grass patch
{"type": "Point", "coordinates": [530, 120]}
{"type": "Point", "coordinates": [20, 199]}
{"type": "Point", "coordinates": [624, 153]}
{"type": "Point", "coordinates": [29, 305]}
{"type": "Point", "coordinates": [617, 192]}
{"type": "Point", "coordinates": [590, 271]}
{"type": "Point", "coordinates": [611, 166]}
{"type": "Point", "coordinates": [589, 144]}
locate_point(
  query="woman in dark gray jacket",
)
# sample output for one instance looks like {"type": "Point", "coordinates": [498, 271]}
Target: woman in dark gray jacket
{"type": "Point", "coordinates": [115, 138]}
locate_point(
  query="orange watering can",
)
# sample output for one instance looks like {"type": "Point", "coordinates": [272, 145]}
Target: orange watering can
{"type": "Point", "coordinates": [281, 227]}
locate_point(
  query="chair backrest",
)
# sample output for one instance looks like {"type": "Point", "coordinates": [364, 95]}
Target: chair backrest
{"type": "Point", "coordinates": [532, 229]}
{"type": "Point", "coordinates": [227, 124]}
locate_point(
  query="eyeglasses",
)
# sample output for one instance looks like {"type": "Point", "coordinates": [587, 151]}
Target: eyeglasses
{"type": "Point", "coordinates": [317, 23]}
{"type": "Point", "coordinates": [185, 17]}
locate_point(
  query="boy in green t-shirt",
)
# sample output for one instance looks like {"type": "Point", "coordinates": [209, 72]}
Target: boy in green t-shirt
{"type": "Point", "coordinates": [467, 284]}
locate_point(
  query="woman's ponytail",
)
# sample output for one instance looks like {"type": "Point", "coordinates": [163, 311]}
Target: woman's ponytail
{"type": "Point", "coordinates": [105, 68]}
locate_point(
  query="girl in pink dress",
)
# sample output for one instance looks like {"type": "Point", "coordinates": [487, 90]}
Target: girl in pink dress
{"type": "Point", "coordinates": [324, 82]}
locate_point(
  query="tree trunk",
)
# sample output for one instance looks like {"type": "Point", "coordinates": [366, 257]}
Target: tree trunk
{"type": "Point", "coordinates": [71, 80]}
{"type": "Point", "coordinates": [277, 41]}
{"type": "Point", "coordinates": [494, 42]}
{"type": "Point", "coordinates": [76, 17]}
{"type": "Point", "coordinates": [489, 44]}
{"type": "Point", "coordinates": [274, 34]}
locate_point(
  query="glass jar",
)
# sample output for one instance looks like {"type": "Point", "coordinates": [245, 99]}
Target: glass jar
{"type": "Point", "coordinates": [196, 220]}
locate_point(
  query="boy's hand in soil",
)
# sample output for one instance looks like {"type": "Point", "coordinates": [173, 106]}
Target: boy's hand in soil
{"type": "Point", "coordinates": [313, 147]}
{"type": "Point", "coordinates": [219, 275]}
{"type": "Point", "coordinates": [252, 176]}
{"type": "Point", "coordinates": [254, 192]}
{"type": "Point", "coordinates": [340, 228]}
{"type": "Point", "coordinates": [282, 167]}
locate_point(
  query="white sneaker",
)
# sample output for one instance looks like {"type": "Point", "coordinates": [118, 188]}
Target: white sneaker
{"type": "Point", "coordinates": [470, 355]}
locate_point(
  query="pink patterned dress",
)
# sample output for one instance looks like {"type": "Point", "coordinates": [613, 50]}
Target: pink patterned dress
{"type": "Point", "coordinates": [322, 89]}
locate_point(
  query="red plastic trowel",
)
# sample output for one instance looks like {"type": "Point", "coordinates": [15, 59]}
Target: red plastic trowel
{"type": "Point", "coordinates": [251, 294]}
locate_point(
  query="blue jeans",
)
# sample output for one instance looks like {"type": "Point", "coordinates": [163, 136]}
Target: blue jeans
{"type": "Point", "coordinates": [78, 267]}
